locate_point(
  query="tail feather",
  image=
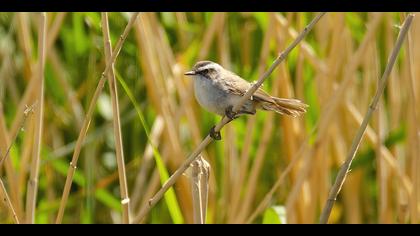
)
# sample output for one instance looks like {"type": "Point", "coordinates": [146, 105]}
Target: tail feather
{"type": "Point", "coordinates": [286, 106]}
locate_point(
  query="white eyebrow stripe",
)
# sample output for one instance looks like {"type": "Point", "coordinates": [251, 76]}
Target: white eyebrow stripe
{"type": "Point", "coordinates": [208, 66]}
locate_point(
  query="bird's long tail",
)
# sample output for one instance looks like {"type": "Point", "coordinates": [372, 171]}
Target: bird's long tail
{"type": "Point", "coordinates": [285, 106]}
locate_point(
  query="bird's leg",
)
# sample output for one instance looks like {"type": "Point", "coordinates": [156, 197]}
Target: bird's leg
{"type": "Point", "coordinates": [230, 114]}
{"type": "Point", "coordinates": [215, 135]}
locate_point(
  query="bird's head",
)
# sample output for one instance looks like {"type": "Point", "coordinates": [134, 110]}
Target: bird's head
{"type": "Point", "coordinates": [205, 68]}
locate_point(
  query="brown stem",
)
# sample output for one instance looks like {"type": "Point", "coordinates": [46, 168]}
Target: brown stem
{"type": "Point", "coordinates": [86, 122]}
{"type": "Point", "coordinates": [36, 154]}
{"type": "Point", "coordinates": [119, 153]}
{"type": "Point", "coordinates": [342, 174]}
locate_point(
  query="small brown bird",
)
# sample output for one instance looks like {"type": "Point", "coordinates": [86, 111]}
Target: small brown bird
{"type": "Point", "coordinates": [218, 90]}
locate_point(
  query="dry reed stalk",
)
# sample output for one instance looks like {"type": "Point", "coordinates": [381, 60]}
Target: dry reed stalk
{"type": "Point", "coordinates": [331, 107]}
{"type": "Point", "coordinates": [55, 29]}
{"type": "Point", "coordinates": [227, 171]}
{"type": "Point", "coordinates": [176, 154]}
{"type": "Point", "coordinates": [160, 77]}
{"type": "Point", "coordinates": [5, 146]}
{"type": "Point", "coordinates": [180, 86]}
{"type": "Point", "coordinates": [291, 131]}
{"type": "Point", "coordinates": [356, 142]}
{"type": "Point", "coordinates": [245, 155]}
{"type": "Point", "coordinates": [267, 198]}
{"type": "Point", "coordinates": [119, 152]}
{"type": "Point", "coordinates": [383, 200]}
{"type": "Point", "coordinates": [393, 90]}
{"type": "Point", "coordinates": [388, 157]}
{"type": "Point", "coordinates": [171, 181]}
{"type": "Point", "coordinates": [394, 99]}
{"type": "Point", "coordinates": [32, 188]}
{"type": "Point", "coordinates": [24, 166]}
{"type": "Point", "coordinates": [306, 48]}
{"type": "Point", "coordinates": [71, 95]}
{"type": "Point", "coordinates": [7, 71]}
{"type": "Point", "coordinates": [8, 203]}
{"type": "Point", "coordinates": [238, 183]}
{"type": "Point", "coordinates": [373, 69]}
{"type": "Point", "coordinates": [141, 38]}
{"type": "Point", "coordinates": [7, 74]}
{"type": "Point", "coordinates": [352, 205]}
{"type": "Point", "coordinates": [246, 33]}
{"type": "Point", "coordinates": [319, 182]}
{"type": "Point", "coordinates": [338, 141]}
{"type": "Point", "coordinates": [66, 149]}
{"type": "Point", "coordinates": [334, 60]}
{"type": "Point", "coordinates": [50, 182]}
{"type": "Point", "coordinates": [395, 106]}
{"type": "Point", "coordinates": [415, 129]}
{"type": "Point", "coordinates": [304, 208]}
{"type": "Point", "coordinates": [299, 68]}
{"type": "Point", "coordinates": [186, 97]}
{"type": "Point", "coordinates": [223, 43]}
{"type": "Point", "coordinates": [86, 121]}
{"type": "Point", "coordinates": [145, 39]}
{"type": "Point", "coordinates": [29, 110]}
{"type": "Point", "coordinates": [154, 184]}
{"type": "Point", "coordinates": [154, 79]}
{"type": "Point", "coordinates": [25, 100]}
{"type": "Point", "coordinates": [310, 156]}
{"type": "Point", "coordinates": [147, 161]}
{"type": "Point", "coordinates": [416, 86]}
{"type": "Point", "coordinates": [25, 39]}
{"type": "Point", "coordinates": [181, 19]}
{"type": "Point", "coordinates": [183, 91]}
{"type": "Point", "coordinates": [256, 168]}
{"type": "Point", "coordinates": [217, 20]}
{"type": "Point", "coordinates": [281, 84]}
{"type": "Point", "coordinates": [229, 150]}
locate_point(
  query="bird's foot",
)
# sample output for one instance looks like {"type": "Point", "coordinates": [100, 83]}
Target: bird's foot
{"type": "Point", "coordinates": [230, 114]}
{"type": "Point", "coordinates": [215, 135]}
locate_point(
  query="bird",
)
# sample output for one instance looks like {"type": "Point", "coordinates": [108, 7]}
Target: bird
{"type": "Point", "coordinates": [217, 90]}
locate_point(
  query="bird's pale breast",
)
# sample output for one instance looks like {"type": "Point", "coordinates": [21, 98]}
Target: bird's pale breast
{"type": "Point", "coordinates": [210, 96]}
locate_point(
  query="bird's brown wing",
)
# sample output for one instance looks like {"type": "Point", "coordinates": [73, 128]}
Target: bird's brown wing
{"type": "Point", "coordinates": [263, 96]}
{"type": "Point", "coordinates": [238, 86]}
{"type": "Point", "coordinates": [235, 84]}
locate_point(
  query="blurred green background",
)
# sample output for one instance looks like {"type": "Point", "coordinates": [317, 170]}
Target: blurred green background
{"type": "Point", "coordinates": [335, 70]}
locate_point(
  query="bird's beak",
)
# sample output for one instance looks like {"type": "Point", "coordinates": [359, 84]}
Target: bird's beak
{"type": "Point", "coordinates": [190, 73]}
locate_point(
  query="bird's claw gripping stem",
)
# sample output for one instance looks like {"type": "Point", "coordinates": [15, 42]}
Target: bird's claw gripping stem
{"type": "Point", "coordinates": [215, 135]}
{"type": "Point", "coordinates": [230, 114]}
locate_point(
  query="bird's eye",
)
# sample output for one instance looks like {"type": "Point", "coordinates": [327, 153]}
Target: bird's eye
{"type": "Point", "coordinates": [205, 71]}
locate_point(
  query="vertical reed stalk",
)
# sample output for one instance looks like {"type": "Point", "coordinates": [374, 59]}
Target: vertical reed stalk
{"type": "Point", "coordinates": [116, 123]}
{"type": "Point", "coordinates": [86, 121]}
{"type": "Point", "coordinates": [39, 113]}
{"type": "Point", "coordinates": [7, 202]}
{"type": "Point", "coordinates": [415, 204]}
